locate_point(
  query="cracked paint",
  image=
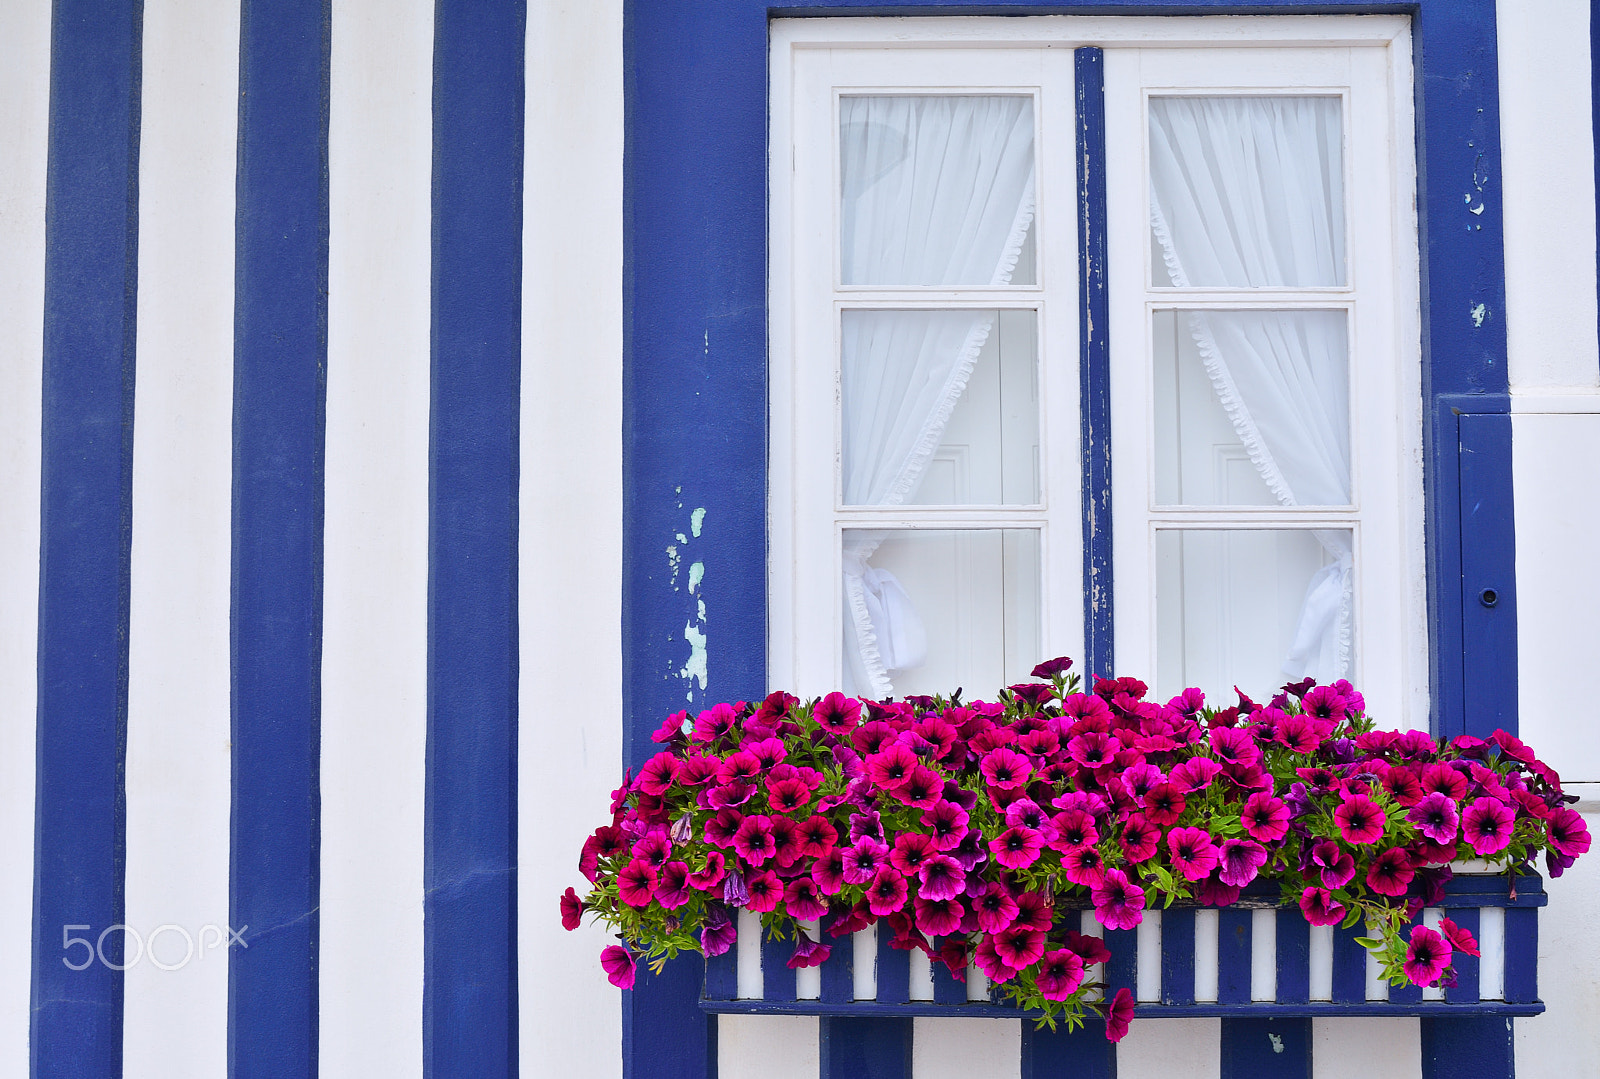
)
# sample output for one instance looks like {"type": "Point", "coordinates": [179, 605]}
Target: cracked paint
{"type": "Point", "coordinates": [1479, 313]}
{"type": "Point", "coordinates": [696, 519]}
{"type": "Point", "coordinates": [695, 669]}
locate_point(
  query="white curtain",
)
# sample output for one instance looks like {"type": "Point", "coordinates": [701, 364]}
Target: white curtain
{"type": "Point", "coordinates": [1248, 192]}
{"type": "Point", "coordinates": [936, 191]}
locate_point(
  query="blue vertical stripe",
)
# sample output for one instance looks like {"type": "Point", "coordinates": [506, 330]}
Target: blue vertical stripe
{"type": "Point", "coordinates": [1177, 955]}
{"type": "Point", "coordinates": [86, 507]}
{"type": "Point", "coordinates": [865, 1048]}
{"type": "Point", "coordinates": [1266, 1049]}
{"type": "Point", "coordinates": [470, 938]}
{"type": "Point", "coordinates": [1085, 1053]}
{"type": "Point", "coordinates": [1094, 363]}
{"type": "Point", "coordinates": [280, 361]}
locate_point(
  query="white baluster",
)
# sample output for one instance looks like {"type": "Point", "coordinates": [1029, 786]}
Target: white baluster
{"type": "Point", "coordinates": [921, 975]}
{"type": "Point", "coordinates": [977, 980]}
{"type": "Point", "coordinates": [1492, 957]}
{"type": "Point", "coordinates": [1149, 978]}
{"type": "Point", "coordinates": [808, 980]}
{"type": "Point", "coordinates": [865, 943]}
{"type": "Point", "coordinates": [751, 984]}
{"type": "Point", "coordinates": [1322, 962]}
{"type": "Point", "coordinates": [1090, 927]}
{"type": "Point", "coordinates": [1264, 955]}
{"type": "Point", "coordinates": [1205, 955]}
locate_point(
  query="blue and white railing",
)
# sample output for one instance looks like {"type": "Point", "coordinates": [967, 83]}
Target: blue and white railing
{"type": "Point", "coordinates": [1253, 958]}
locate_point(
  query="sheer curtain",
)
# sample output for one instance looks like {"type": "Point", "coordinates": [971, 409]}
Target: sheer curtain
{"type": "Point", "coordinates": [1248, 192]}
{"type": "Point", "coordinates": [935, 191]}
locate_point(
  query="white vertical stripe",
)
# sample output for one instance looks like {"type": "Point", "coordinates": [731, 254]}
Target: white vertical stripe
{"type": "Point", "coordinates": [751, 982]}
{"type": "Point", "coordinates": [808, 980]}
{"type": "Point", "coordinates": [375, 562]}
{"type": "Point", "coordinates": [1149, 964]}
{"type": "Point", "coordinates": [921, 971]}
{"type": "Point", "coordinates": [1491, 953]}
{"type": "Point", "coordinates": [571, 522]}
{"type": "Point", "coordinates": [1321, 962]}
{"type": "Point", "coordinates": [1090, 926]}
{"type": "Point", "coordinates": [1207, 924]}
{"type": "Point", "coordinates": [1264, 955]}
{"type": "Point", "coordinates": [1377, 988]}
{"type": "Point", "coordinates": [864, 963]}
{"type": "Point", "coordinates": [178, 757]}
{"type": "Point", "coordinates": [24, 87]}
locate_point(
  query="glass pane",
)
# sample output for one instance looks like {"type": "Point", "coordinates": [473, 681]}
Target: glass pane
{"type": "Point", "coordinates": [936, 190]}
{"type": "Point", "coordinates": [1252, 609]}
{"type": "Point", "coordinates": [930, 611]}
{"type": "Point", "coordinates": [1247, 191]}
{"type": "Point", "coordinates": [939, 408]}
{"type": "Point", "coordinates": [1251, 408]}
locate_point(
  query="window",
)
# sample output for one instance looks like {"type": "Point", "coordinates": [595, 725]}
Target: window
{"type": "Point", "coordinates": [926, 487]}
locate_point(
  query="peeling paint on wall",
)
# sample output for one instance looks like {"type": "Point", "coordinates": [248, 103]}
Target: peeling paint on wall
{"type": "Point", "coordinates": [694, 671]}
{"type": "Point", "coordinates": [1479, 313]}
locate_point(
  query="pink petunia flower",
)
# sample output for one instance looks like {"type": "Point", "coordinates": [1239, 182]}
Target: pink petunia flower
{"type": "Point", "coordinates": [994, 908]}
{"type": "Point", "coordinates": [1440, 778]}
{"type": "Point", "coordinates": [1164, 804]}
{"type": "Point", "coordinates": [937, 917]}
{"type": "Point", "coordinates": [1074, 828]}
{"type": "Point", "coordinates": [1005, 769]}
{"type": "Point", "coordinates": [571, 910]}
{"type": "Point", "coordinates": [988, 960]}
{"type": "Point", "coordinates": [891, 766]}
{"type": "Point", "coordinates": [1192, 852]}
{"type": "Point", "coordinates": [1059, 974]}
{"type": "Point", "coordinates": [1487, 825]}
{"type": "Point", "coordinates": [1240, 860]}
{"type": "Point", "coordinates": [1360, 820]}
{"type": "Point", "coordinates": [1234, 746]}
{"type": "Point", "coordinates": [802, 901]}
{"type": "Point", "coordinates": [828, 871]}
{"type": "Point", "coordinates": [1404, 784]}
{"type": "Point", "coordinates": [672, 885]}
{"type": "Point", "coordinates": [1085, 866]}
{"type": "Point", "coordinates": [721, 828]}
{"type": "Point", "coordinates": [766, 891]}
{"type": "Point", "coordinates": [1092, 750]}
{"type": "Point", "coordinates": [1569, 833]}
{"type": "Point", "coordinates": [1194, 774]}
{"type": "Point", "coordinates": [921, 788]}
{"type": "Point", "coordinates": [911, 850]}
{"type": "Point", "coordinates": [787, 847]}
{"type": "Point", "coordinates": [887, 891]}
{"type": "Point", "coordinates": [788, 795]}
{"type": "Point", "coordinates": [1017, 848]}
{"type": "Point", "coordinates": [1139, 838]}
{"type": "Point", "coordinates": [704, 880]}
{"type": "Point", "coordinates": [718, 934]}
{"type": "Point", "coordinates": [636, 883]}
{"type": "Point", "coordinates": [619, 966]}
{"type": "Point", "coordinates": [1119, 1015]}
{"type": "Point", "coordinates": [1118, 902]}
{"type": "Point", "coordinates": [1266, 818]}
{"type": "Point", "coordinates": [941, 877]}
{"type": "Point", "coordinates": [837, 713]}
{"type": "Point", "coordinates": [1019, 946]}
{"type": "Point", "coordinates": [1391, 872]}
{"type": "Point", "coordinates": [1320, 908]}
{"type": "Point", "coordinates": [947, 824]}
{"type": "Point", "coordinates": [653, 848]}
{"type": "Point", "coordinates": [1459, 938]}
{"type": "Point", "coordinates": [817, 836]}
{"type": "Point", "coordinates": [753, 840]}
{"type": "Point", "coordinates": [657, 773]}
{"type": "Point", "coordinates": [1435, 817]}
{"type": "Point", "coordinates": [1427, 956]}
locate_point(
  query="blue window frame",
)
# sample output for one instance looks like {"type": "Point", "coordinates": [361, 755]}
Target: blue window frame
{"type": "Point", "coordinates": [695, 378]}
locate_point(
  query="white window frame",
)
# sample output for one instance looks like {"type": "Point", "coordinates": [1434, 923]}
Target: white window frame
{"type": "Point", "coordinates": [896, 55]}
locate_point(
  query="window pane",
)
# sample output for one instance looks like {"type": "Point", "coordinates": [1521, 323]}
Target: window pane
{"type": "Point", "coordinates": [1251, 408]}
{"type": "Point", "coordinates": [930, 611]}
{"type": "Point", "coordinates": [936, 190]}
{"type": "Point", "coordinates": [1247, 191]}
{"type": "Point", "coordinates": [1252, 609]}
{"type": "Point", "coordinates": [939, 408]}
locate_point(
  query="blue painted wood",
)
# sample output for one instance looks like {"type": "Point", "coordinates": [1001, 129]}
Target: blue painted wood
{"type": "Point", "coordinates": [838, 972]}
{"type": "Point", "coordinates": [86, 507]}
{"type": "Point", "coordinates": [1494, 891]}
{"type": "Point", "coordinates": [1488, 575]}
{"type": "Point", "coordinates": [1234, 930]}
{"type": "Point", "coordinates": [1294, 957]}
{"type": "Point", "coordinates": [279, 370]}
{"type": "Point", "coordinates": [894, 969]}
{"type": "Point", "coordinates": [865, 1048]}
{"type": "Point", "coordinates": [948, 988]}
{"type": "Point", "coordinates": [1480, 1048]}
{"type": "Point", "coordinates": [650, 1007]}
{"type": "Point", "coordinates": [1266, 1049]}
{"type": "Point", "coordinates": [1349, 966]}
{"type": "Point", "coordinates": [722, 975]}
{"type": "Point", "coordinates": [980, 1010]}
{"type": "Point", "coordinates": [470, 978]}
{"type": "Point", "coordinates": [777, 980]}
{"type": "Point", "coordinates": [1522, 956]}
{"type": "Point", "coordinates": [1467, 966]}
{"type": "Point", "coordinates": [1177, 956]}
{"type": "Point", "coordinates": [1084, 1053]}
{"type": "Point", "coordinates": [1122, 972]}
{"type": "Point", "coordinates": [1094, 362]}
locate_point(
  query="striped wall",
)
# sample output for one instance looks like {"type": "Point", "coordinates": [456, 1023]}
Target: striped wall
{"type": "Point", "coordinates": [299, 568]}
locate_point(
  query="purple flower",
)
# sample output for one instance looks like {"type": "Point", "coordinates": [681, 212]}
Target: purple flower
{"type": "Point", "coordinates": [766, 891]}
{"type": "Point", "coordinates": [1005, 769]}
{"type": "Point", "coordinates": [1435, 817]}
{"type": "Point", "coordinates": [1060, 973]}
{"type": "Point", "coordinates": [1569, 834]}
{"type": "Point", "coordinates": [941, 877]}
{"type": "Point", "coordinates": [1118, 902]}
{"type": "Point", "coordinates": [1051, 667]}
{"type": "Point", "coordinates": [1487, 825]}
{"type": "Point", "coordinates": [808, 953]}
{"type": "Point", "coordinates": [636, 883]}
{"type": "Point", "coordinates": [1337, 866]}
{"type": "Point", "coordinates": [802, 901]}
{"type": "Point", "coordinates": [1240, 861]}
{"type": "Point", "coordinates": [1266, 818]}
{"type": "Point", "coordinates": [571, 910]}
{"type": "Point", "coordinates": [862, 861]}
{"type": "Point", "coordinates": [887, 892]}
{"type": "Point", "coordinates": [672, 885]}
{"type": "Point", "coordinates": [1320, 908]}
{"type": "Point", "coordinates": [1391, 872]}
{"type": "Point", "coordinates": [754, 840]}
{"type": "Point", "coordinates": [994, 907]}
{"type": "Point", "coordinates": [1192, 852]}
{"type": "Point", "coordinates": [735, 893]}
{"type": "Point", "coordinates": [718, 934]}
{"type": "Point", "coordinates": [1426, 956]}
{"type": "Point", "coordinates": [937, 917]}
{"type": "Point", "coordinates": [619, 966]}
{"type": "Point", "coordinates": [947, 824]}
